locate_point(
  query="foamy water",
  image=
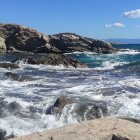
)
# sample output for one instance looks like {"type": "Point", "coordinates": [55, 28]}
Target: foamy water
{"type": "Point", "coordinates": [104, 82]}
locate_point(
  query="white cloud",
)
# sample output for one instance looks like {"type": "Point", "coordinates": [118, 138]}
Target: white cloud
{"type": "Point", "coordinates": [132, 14]}
{"type": "Point", "coordinates": [138, 27]}
{"type": "Point", "coordinates": [117, 24]}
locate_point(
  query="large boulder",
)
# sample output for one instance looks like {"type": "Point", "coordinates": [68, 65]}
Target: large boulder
{"type": "Point", "coordinates": [51, 59]}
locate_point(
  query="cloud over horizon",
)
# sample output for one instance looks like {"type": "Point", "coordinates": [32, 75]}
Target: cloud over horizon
{"type": "Point", "coordinates": [132, 14]}
{"type": "Point", "coordinates": [117, 24]}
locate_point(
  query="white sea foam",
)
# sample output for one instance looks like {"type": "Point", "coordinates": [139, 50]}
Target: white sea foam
{"type": "Point", "coordinates": [131, 82]}
{"type": "Point", "coordinates": [128, 51]}
{"type": "Point", "coordinates": [107, 65]}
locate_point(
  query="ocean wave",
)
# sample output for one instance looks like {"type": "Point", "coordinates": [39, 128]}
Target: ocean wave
{"type": "Point", "coordinates": [128, 51]}
{"type": "Point", "coordinates": [108, 65]}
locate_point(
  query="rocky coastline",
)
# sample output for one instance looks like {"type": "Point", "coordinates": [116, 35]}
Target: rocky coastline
{"type": "Point", "coordinates": [19, 39]}
{"type": "Point", "coordinates": [36, 48]}
{"type": "Point", "coordinates": [109, 128]}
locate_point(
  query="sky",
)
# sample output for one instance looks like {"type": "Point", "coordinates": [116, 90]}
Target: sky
{"type": "Point", "coordinates": [100, 19]}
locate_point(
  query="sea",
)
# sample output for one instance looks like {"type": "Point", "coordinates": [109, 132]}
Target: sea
{"type": "Point", "coordinates": [111, 79]}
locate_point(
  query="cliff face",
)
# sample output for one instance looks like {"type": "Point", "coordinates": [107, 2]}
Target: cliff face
{"type": "Point", "coordinates": [14, 38]}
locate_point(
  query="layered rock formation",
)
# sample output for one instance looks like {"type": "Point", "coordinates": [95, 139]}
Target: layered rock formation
{"type": "Point", "coordinates": [51, 59]}
{"type": "Point", "coordinates": [14, 38]}
{"type": "Point", "coordinates": [98, 129]}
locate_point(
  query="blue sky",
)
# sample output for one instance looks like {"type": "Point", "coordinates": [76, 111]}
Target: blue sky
{"type": "Point", "coordinates": [93, 18]}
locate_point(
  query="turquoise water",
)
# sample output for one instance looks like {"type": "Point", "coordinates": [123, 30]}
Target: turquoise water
{"type": "Point", "coordinates": [112, 80]}
{"type": "Point", "coordinates": [128, 54]}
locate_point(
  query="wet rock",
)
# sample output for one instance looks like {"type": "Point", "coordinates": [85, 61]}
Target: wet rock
{"type": "Point", "coordinates": [62, 101]}
{"type": "Point", "coordinates": [81, 110]}
{"type": "Point", "coordinates": [117, 137]}
{"type": "Point", "coordinates": [9, 65]}
{"type": "Point", "coordinates": [58, 106]}
{"type": "Point", "coordinates": [2, 134]}
{"type": "Point", "coordinates": [14, 106]}
{"type": "Point", "coordinates": [18, 77]}
{"type": "Point", "coordinates": [52, 59]}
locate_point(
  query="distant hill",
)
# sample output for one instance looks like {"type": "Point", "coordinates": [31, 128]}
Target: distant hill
{"type": "Point", "coordinates": [124, 41]}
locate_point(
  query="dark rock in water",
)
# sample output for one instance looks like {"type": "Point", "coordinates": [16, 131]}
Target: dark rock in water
{"type": "Point", "coordinates": [10, 136]}
{"type": "Point", "coordinates": [80, 110]}
{"type": "Point", "coordinates": [14, 106]}
{"type": "Point", "coordinates": [2, 134]}
{"type": "Point", "coordinates": [52, 59]}
{"type": "Point", "coordinates": [9, 65]}
{"type": "Point", "coordinates": [62, 101]}
{"type": "Point", "coordinates": [58, 106]}
{"type": "Point", "coordinates": [117, 137]}
{"type": "Point", "coordinates": [16, 38]}
{"type": "Point", "coordinates": [17, 77]}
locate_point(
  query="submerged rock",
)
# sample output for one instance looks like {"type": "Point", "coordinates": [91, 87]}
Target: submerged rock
{"type": "Point", "coordinates": [52, 59]}
{"type": "Point", "coordinates": [2, 134]}
{"type": "Point", "coordinates": [17, 77]}
{"type": "Point", "coordinates": [8, 65]}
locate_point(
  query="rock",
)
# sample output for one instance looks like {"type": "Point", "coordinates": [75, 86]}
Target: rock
{"type": "Point", "coordinates": [117, 137]}
{"type": "Point", "coordinates": [97, 129]}
{"type": "Point", "coordinates": [70, 42]}
{"type": "Point", "coordinates": [17, 77]}
{"type": "Point", "coordinates": [61, 102]}
{"type": "Point", "coordinates": [13, 106]}
{"type": "Point", "coordinates": [102, 47]}
{"type": "Point", "coordinates": [81, 110]}
{"type": "Point", "coordinates": [58, 106]}
{"type": "Point", "coordinates": [2, 134]}
{"type": "Point", "coordinates": [19, 38]}
{"type": "Point", "coordinates": [8, 65]}
{"type": "Point", "coordinates": [16, 38]}
{"type": "Point", "coordinates": [2, 45]}
{"type": "Point", "coordinates": [52, 59]}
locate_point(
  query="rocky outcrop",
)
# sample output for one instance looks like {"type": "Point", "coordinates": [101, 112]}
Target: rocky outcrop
{"type": "Point", "coordinates": [19, 38]}
{"type": "Point", "coordinates": [82, 109]}
{"type": "Point", "coordinates": [70, 42]}
{"type": "Point", "coordinates": [18, 77]}
{"type": "Point", "coordinates": [98, 129]}
{"type": "Point", "coordinates": [8, 65]}
{"type": "Point", "coordinates": [51, 59]}
{"type": "Point", "coordinates": [15, 38]}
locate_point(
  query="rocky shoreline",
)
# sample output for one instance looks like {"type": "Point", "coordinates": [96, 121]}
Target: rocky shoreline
{"type": "Point", "coordinates": [19, 39]}
{"type": "Point", "coordinates": [99, 129]}
{"type": "Point", "coordinates": [36, 48]}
